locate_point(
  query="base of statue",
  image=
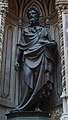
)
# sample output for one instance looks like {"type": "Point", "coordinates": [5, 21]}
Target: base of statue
{"type": "Point", "coordinates": [27, 115]}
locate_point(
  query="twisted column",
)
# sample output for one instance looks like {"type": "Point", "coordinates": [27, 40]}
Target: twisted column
{"type": "Point", "coordinates": [62, 6]}
{"type": "Point", "coordinates": [3, 11]}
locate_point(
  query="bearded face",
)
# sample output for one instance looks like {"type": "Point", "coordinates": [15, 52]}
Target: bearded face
{"type": "Point", "coordinates": [33, 17]}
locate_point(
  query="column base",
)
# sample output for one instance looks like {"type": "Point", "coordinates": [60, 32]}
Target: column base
{"type": "Point", "coordinates": [64, 116]}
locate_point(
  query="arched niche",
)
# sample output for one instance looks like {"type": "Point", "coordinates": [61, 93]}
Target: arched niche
{"type": "Point", "coordinates": [36, 5]}
{"type": "Point", "coordinates": [39, 5]}
{"type": "Point", "coordinates": [18, 11]}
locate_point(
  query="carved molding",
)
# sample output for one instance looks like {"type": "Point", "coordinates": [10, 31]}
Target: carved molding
{"type": "Point", "coordinates": [3, 10]}
{"type": "Point", "coordinates": [62, 5]}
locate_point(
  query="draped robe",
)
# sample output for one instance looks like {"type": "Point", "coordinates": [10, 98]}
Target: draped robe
{"type": "Point", "coordinates": [35, 53]}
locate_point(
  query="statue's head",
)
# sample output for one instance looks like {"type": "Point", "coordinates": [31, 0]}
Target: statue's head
{"type": "Point", "coordinates": [33, 16]}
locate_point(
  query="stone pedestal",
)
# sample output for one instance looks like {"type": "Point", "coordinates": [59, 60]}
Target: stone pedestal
{"type": "Point", "coordinates": [27, 116]}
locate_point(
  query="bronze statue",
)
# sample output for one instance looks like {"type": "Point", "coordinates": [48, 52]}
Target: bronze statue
{"type": "Point", "coordinates": [35, 60]}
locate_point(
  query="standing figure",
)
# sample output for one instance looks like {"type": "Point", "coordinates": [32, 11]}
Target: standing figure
{"type": "Point", "coordinates": [35, 64]}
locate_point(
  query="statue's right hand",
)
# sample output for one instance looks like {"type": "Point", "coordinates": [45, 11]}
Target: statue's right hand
{"type": "Point", "coordinates": [17, 66]}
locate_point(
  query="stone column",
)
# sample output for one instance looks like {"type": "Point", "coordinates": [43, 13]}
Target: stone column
{"type": "Point", "coordinates": [3, 10]}
{"type": "Point", "coordinates": [62, 5]}
{"type": "Point", "coordinates": [20, 25]}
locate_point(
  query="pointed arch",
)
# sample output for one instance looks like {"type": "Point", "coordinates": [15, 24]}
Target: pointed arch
{"type": "Point", "coordinates": [13, 7]}
{"type": "Point", "coordinates": [35, 3]}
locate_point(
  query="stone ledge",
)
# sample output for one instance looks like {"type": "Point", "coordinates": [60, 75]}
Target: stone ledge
{"type": "Point", "coordinates": [26, 115]}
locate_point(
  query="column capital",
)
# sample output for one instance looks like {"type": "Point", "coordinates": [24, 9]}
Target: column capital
{"type": "Point", "coordinates": [20, 22]}
{"type": "Point", "coordinates": [61, 5]}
